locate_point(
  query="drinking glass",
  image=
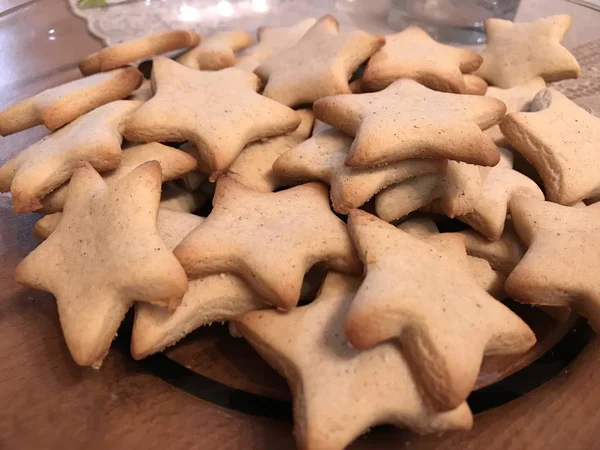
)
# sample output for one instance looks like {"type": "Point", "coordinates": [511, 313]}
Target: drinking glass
{"type": "Point", "coordinates": [454, 21]}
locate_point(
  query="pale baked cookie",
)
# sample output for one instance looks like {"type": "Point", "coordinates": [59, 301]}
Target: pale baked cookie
{"type": "Point", "coordinates": [474, 85]}
{"type": "Point", "coordinates": [192, 181]}
{"type": "Point", "coordinates": [143, 93]}
{"type": "Point", "coordinates": [457, 189]}
{"type": "Point", "coordinates": [561, 264]}
{"type": "Point", "coordinates": [271, 41]}
{"type": "Point", "coordinates": [407, 120]}
{"type": "Point", "coordinates": [516, 99]}
{"type": "Point", "coordinates": [268, 239]}
{"type": "Point", "coordinates": [560, 140]}
{"type": "Point", "coordinates": [340, 392]}
{"type": "Point", "coordinates": [320, 64]}
{"type": "Point", "coordinates": [45, 226]}
{"type": "Point", "coordinates": [104, 254]}
{"type": "Point", "coordinates": [503, 254]}
{"type": "Point", "coordinates": [173, 164]}
{"type": "Point", "coordinates": [210, 299]}
{"type": "Point", "coordinates": [453, 245]}
{"type": "Point", "coordinates": [254, 165]}
{"type": "Point", "coordinates": [217, 51]}
{"type": "Point", "coordinates": [446, 323]}
{"type": "Point", "coordinates": [218, 112]}
{"type": "Point", "coordinates": [177, 199]}
{"type": "Point", "coordinates": [413, 54]}
{"type": "Point", "coordinates": [500, 185]}
{"type": "Point", "coordinates": [44, 166]}
{"type": "Point", "coordinates": [518, 52]}
{"type": "Point", "coordinates": [58, 106]}
{"type": "Point", "coordinates": [145, 47]}
{"type": "Point", "coordinates": [322, 158]}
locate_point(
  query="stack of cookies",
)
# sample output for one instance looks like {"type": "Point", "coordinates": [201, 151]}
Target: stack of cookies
{"type": "Point", "coordinates": [308, 160]}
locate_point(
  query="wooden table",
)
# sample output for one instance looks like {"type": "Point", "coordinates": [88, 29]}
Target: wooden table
{"type": "Point", "coordinates": [46, 401]}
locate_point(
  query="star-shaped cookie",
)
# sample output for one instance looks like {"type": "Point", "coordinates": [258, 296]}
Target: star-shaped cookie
{"type": "Point", "coordinates": [500, 185]}
{"type": "Point", "coordinates": [453, 245]}
{"type": "Point", "coordinates": [407, 120]}
{"type": "Point", "coordinates": [339, 391]}
{"type": "Point", "coordinates": [210, 299]}
{"type": "Point", "coordinates": [104, 254]}
{"type": "Point", "coordinates": [474, 85]}
{"type": "Point", "coordinates": [219, 112]}
{"type": "Point", "coordinates": [561, 263]}
{"type": "Point", "coordinates": [271, 41]}
{"type": "Point", "coordinates": [456, 191]}
{"type": "Point", "coordinates": [503, 254]}
{"type": "Point", "coordinates": [446, 323]}
{"type": "Point", "coordinates": [173, 164]}
{"type": "Point", "coordinates": [217, 51]}
{"type": "Point", "coordinates": [254, 165]}
{"type": "Point", "coordinates": [516, 99]}
{"type": "Point", "coordinates": [58, 106]}
{"type": "Point", "coordinates": [322, 158]}
{"type": "Point", "coordinates": [320, 64]}
{"type": "Point", "coordinates": [129, 52]}
{"type": "Point", "coordinates": [561, 140]}
{"type": "Point", "coordinates": [39, 169]}
{"type": "Point", "coordinates": [413, 54]}
{"type": "Point", "coordinates": [268, 239]}
{"type": "Point", "coordinates": [518, 52]}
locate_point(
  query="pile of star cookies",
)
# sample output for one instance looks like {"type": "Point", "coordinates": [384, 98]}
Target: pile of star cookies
{"type": "Point", "coordinates": [283, 136]}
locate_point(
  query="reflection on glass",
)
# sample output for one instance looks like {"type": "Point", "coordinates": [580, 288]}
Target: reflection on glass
{"type": "Point", "coordinates": [225, 8]}
{"type": "Point", "coordinates": [188, 13]}
{"type": "Point", "coordinates": [213, 11]}
{"type": "Point", "coordinates": [260, 6]}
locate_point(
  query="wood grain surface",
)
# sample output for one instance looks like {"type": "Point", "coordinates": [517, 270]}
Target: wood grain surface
{"type": "Point", "coordinates": [46, 401]}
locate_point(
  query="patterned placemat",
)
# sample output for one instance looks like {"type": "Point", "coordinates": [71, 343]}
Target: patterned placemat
{"type": "Point", "coordinates": [115, 21]}
{"type": "Point", "coordinates": [588, 84]}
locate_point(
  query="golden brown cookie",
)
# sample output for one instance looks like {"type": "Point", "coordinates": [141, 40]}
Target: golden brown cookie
{"type": "Point", "coordinates": [44, 166]}
{"type": "Point", "coordinates": [560, 140]}
{"type": "Point", "coordinates": [518, 52]}
{"type": "Point", "coordinates": [455, 191]}
{"type": "Point", "coordinates": [145, 47]}
{"type": "Point", "coordinates": [516, 99]}
{"type": "Point", "coordinates": [501, 184]}
{"type": "Point", "coordinates": [445, 322]}
{"type": "Point", "coordinates": [322, 158]}
{"type": "Point", "coordinates": [407, 120]}
{"type": "Point", "coordinates": [474, 85]}
{"type": "Point", "coordinates": [217, 51]}
{"type": "Point", "coordinates": [218, 112]}
{"type": "Point", "coordinates": [173, 164]}
{"type": "Point", "coordinates": [453, 245]}
{"type": "Point", "coordinates": [210, 299]}
{"type": "Point", "coordinates": [271, 41]}
{"type": "Point", "coordinates": [339, 391]}
{"type": "Point", "coordinates": [254, 165]}
{"type": "Point", "coordinates": [413, 54]}
{"type": "Point", "coordinates": [192, 181]}
{"type": "Point", "coordinates": [320, 64]}
{"type": "Point", "coordinates": [268, 239]}
{"type": "Point", "coordinates": [503, 254]}
{"type": "Point", "coordinates": [561, 263]}
{"type": "Point", "coordinates": [58, 106]}
{"type": "Point", "coordinates": [104, 254]}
